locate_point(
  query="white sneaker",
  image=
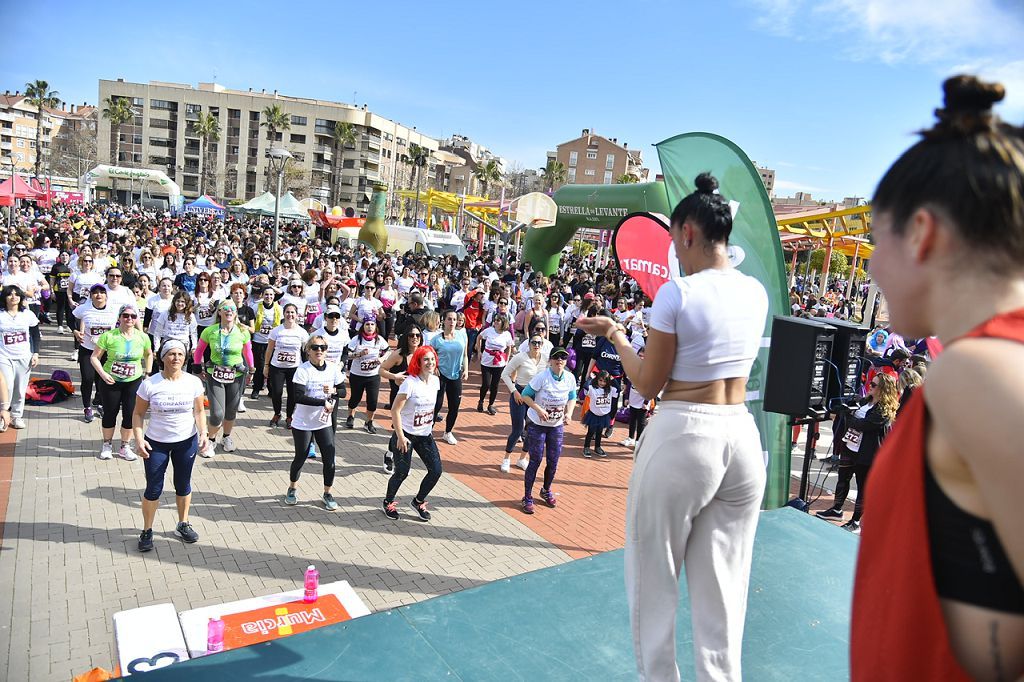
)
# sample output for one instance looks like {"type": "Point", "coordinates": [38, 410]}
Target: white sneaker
{"type": "Point", "coordinates": [506, 465]}
{"type": "Point", "coordinates": [60, 329]}
{"type": "Point", "coordinates": [449, 438]}
{"type": "Point", "coordinates": [629, 443]}
{"type": "Point", "coordinates": [127, 453]}
{"type": "Point", "coordinates": [18, 423]}
{"type": "Point", "coordinates": [227, 443]}
{"type": "Point", "coordinates": [523, 463]}
{"type": "Point", "coordinates": [73, 357]}
{"type": "Point", "coordinates": [107, 451]}
{"type": "Point", "coordinates": [241, 405]}
{"type": "Point", "coordinates": [208, 451]}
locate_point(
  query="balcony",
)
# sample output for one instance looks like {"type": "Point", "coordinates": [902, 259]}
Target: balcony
{"type": "Point", "coordinates": [371, 144]}
{"type": "Point", "coordinates": [370, 157]}
{"type": "Point", "coordinates": [322, 167]}
{"type": "Point", "coordinates": [372, 175]}
{"type": "Point", "coordinates": [6, 145]}
{"type": "Point", "coordinates": [323, 130]}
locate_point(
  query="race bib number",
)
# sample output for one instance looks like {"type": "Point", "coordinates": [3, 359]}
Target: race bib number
{"type": "Point", "coordinates": [603, 401]}
{"type": "Point", "coordinates": [555, 413]}
{"type": "Point", "coordinates": [12, 338]}
{"type": "Point", "coordinates": [224, 375]}
{"type": "Point", "coordinates": [287, 357]}
{"type": "Point", "coordinates": [325, 415]}
{"type": "Point", "coordinates": [265, 330]}
{"type": "Point", "coordinates": [205, 311]}
{"type": "Point", "coordinates": [122, 370]}
{"type": "Point", "coordinates": [588, 341]}
{"type": "Point", "coordinates": [63, 284]}
{"type": "Point", "coordinates": [369, 365]}
{"type": "Point", "coordinates": [422, 418]}
{"type": "Point", "coordinates": [853, 438]}
{"type": "Point", "coordinates": [97, 331]}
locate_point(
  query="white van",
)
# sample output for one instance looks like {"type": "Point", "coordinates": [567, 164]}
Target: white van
{"type": "Point", "coordinates": [429, 242]}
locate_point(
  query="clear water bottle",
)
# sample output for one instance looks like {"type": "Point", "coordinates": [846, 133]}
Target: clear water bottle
{"type": "Point", "coordinates": [312, 585]}
{"type": "Point", "coordinates": [214, 636]}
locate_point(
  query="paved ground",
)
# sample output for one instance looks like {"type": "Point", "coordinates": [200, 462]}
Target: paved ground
{"type": "Point", "coordinates": [68, 560]}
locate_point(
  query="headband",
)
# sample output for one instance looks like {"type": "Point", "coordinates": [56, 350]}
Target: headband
{"type": "Point", "coordinates": [171, 345]}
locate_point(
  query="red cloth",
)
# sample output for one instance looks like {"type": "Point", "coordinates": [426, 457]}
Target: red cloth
{"type": "Point", "coordinates": [898, 630]}
{"type": "Point", "coordinates": [474, 313]}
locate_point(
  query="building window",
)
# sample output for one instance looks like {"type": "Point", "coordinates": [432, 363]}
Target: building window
{"type": "Point", "coordinates": [589, 172]}
{"type": "Point", "coordinates": [21, 144]}
{"type": "Point", "coordinates": [138, 102]}
{"type": "Point", "coordinates": [163, 104]}
{"type": "Point", "coordinates": [591, 155]}
{"type": "Point", "coordinates": [607, 177]}
{"type": "Point", "coordinates": [609, 162]}
{"type": "Point", "coordinates": [234, 113]}
{"type": "Point", "coordinates": [193, 108]}
{"type": "Point", "coordinates": [572, 158]}
{"type": "Point", "coordinates": [297, 139]}
{"type": "Point", "coordinates": [572, 174]}
{"type": "Point", "coordinates": [254, 116]}
{"type": "Point", "coordinates": [298, 120]}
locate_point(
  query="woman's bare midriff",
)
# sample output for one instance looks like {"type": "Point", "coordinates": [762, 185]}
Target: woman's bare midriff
{"type": "Point", "coordinates": [731, 391]}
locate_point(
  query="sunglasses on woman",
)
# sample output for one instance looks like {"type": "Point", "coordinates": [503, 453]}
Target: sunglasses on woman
{"type": "Point", "coordinates": [318, 347]}
{"type": "Point", "coordinates": [129, 316]}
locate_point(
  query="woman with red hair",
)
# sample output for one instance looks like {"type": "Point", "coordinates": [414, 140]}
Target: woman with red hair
{"type": "Point", "coordinates": [413, 417]}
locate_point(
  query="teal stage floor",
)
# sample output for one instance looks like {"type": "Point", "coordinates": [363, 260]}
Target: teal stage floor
{"type": "Point", "coordinates": [570, 622]}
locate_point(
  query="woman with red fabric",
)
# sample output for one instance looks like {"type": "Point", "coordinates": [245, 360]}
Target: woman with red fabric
{"type": "Point", "coordinates": [938, 593]}
{"type": "Point", "coordinates": [473, 310]}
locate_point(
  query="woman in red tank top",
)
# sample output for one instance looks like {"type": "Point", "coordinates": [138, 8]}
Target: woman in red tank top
{"type": "Point", "coordinates": [938, 591]}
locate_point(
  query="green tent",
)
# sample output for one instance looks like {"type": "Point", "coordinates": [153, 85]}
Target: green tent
{"type": "Point", "coordinates": [263, 205]}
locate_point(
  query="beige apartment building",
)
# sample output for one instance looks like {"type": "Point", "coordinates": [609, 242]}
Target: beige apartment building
{"type": "Point", "coordinates": [595, 160]}
{"type": "Point", "coordinates": [162, 137]}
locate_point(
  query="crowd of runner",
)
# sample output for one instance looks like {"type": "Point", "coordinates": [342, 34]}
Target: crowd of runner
{"type": "Point", "coordinates": [317, 328]}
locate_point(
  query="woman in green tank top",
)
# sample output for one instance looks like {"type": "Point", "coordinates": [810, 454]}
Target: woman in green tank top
{"type": "Point", "coordinates": [229, 369]}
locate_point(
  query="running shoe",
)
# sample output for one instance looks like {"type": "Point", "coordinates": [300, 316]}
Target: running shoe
{"type": "Point", "coordinates": [107, 451]}
{"type": "Point", "coordinates": [491, 411]}
{"type": "Point", "coordinates": [288, 423]}
{"type": "Point", "coordinates": [421, 509]}
{"type": "Point", "coordinates": [290, 497]}
{"type": "Point", "coordinates": [480, 406]}
{"type": "Point", "coordinates": [329, 503]}
{"type": "Point", "coordinates": [73, 357]}
{"type": "Point", "coordinates": [390, 509]}
{"type": "Point", "coordinates": [99, 409]}
{"type": "Point", "coordinates": [587, 453]}
{"type": "Point", "coordinates": [241, 405]}
{"type": "Point", "coordinates": [18, 423]}
{"type": "Point", "coordinates": [852, 526]}
{"type": "Point", "coordinates": [389, 463]}
{"type": "Point", "coordinates": [548, 497]}
{"type": "Point", "coordinates": [209, 450]}
{"type": "Point", "coordinates": [350, 422]}
{"type": "Point", "coordinates": [629, 443]}
{"type": "Point", "coordinates": [127, 453]}
{"type": "Point", "coordinates": [90, 415]}
{"type": "Point", "coordinates": [527, 505]}
{"type": "Point", "coordinates": [275, 420]}
{"type": "Point", "coordinates": [185, 532]}
{"type": "Point", "coordinates": [60, 329]}
{"type": "Point", "coordinates": [311, 453]}
{"type": "Point", "coordinates": [506, 465]}
{"type": "Point", "coordinates": [146, 540]}
{"type": "Point", "coordinates": [370, 428]}
{"type": "Point", "coordinates": [608, 432]}
{"type": "Point", "coordinates": [227, 443]}
{"type": "Point", "coordinates": [254, 395]}
{"type": "Point", "coordinates": [599, 451]}
{"type": "Point", "coordinates": [829, 514]}
{"type": "Point", "coordinates": [437, 419]}
{"type": "Point", "coordinates": [523, 463]}
{"type": "Point", "coordinates": [449, 438]}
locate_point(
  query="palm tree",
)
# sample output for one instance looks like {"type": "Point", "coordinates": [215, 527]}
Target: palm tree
{"type": "Point", "coordinates": [626, 179]}
{"type": "Point", "coordinates": [344, 134]}
{"type": "Point", "coordinates": [274, 120]}
{"type": "Point", "coordinates": [118, 111]}
{"type": "Point", "coordinates": [486, 173]}
{"type": "Point", "coordinates": [207, 127]}
{"type": "Point", "coordinates": [554, 173]}
{"type": "Point", "coordinates": [417, 158]}
{"type": "Point", "coordinates": [40, 94]}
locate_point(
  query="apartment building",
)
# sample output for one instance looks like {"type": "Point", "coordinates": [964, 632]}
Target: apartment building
{"type": "Point", "coordinates": [162, 136]}
{"type": "Point", "coordinates": [592, 159]}
{"type": "Point", "coordinates": [464, 156]}
{"type": "Point", "coordinates": [18, 121]}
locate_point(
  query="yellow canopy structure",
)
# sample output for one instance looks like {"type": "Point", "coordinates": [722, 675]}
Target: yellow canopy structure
{"type": "Point", "coordinates": [845, 230]}
{"type": "Point", "coordinates": [451, 203]}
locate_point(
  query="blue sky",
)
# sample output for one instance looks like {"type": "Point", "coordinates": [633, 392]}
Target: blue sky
{"type": "Point", "coordinates": [827, 93]}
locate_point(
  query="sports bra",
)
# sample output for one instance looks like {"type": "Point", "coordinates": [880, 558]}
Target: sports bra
{"type": "Point", "coordinates": [968, 560]}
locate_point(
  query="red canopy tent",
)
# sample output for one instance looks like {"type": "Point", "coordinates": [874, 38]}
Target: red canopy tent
{"type": "Point", "coordinates": [15, 188]}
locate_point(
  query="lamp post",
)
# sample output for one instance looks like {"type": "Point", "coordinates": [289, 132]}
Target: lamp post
{"type": "Point", "coordinates": [277, 159]}
{"type": "Point", "coordinates": [8, 159]}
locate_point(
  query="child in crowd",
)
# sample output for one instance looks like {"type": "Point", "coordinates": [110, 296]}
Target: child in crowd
{"type": "Point", "coordinates": [600, 397]}
{"type": "Point", "coordinates": [639, 411]}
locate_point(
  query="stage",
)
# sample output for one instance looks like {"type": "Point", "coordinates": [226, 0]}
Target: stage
{"type": "Point", "coordinates": [570, 622]}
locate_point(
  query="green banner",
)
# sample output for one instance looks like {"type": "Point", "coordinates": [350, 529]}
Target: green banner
{"type": "Point", "coordinates": [683, 158]}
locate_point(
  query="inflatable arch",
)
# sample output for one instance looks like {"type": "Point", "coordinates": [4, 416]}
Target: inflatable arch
{"type": "Point", "coordinates": [141, 175]}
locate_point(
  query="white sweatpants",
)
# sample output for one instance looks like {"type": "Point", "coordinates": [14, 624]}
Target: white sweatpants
{"type": "Point", "coordinates": [16, 373]}
{"type": "Point", "coordinates": [694, 496]}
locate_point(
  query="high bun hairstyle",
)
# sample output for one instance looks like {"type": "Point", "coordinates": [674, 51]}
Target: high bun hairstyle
{"type": "Point", "coordinates": [707, 208]}
{"type": "Point", "coordinates": [969, 166]}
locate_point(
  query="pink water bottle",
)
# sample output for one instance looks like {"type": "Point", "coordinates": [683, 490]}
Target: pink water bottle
{"type": "Point", "coordinates": [214, 636]}
{"type": "Point", "coordinates": [312, 585]}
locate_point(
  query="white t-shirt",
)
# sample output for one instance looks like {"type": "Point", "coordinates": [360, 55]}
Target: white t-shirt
{"type": "Point", "coordinates": [636, 399]}
{"type": "Point", "coordinates": [418, 410]}
{"type": "Point", "coordinates": [368, 307]}
{"type": "Point", "coordinates": [335, 343]}
{"type": "Point", "coordinates": [121, 296]}
{"type": "Point", "coordinates": [170, 406]}
{"type": "Point", "coordinates": [601, 400]}
{"type": "Point", "coordinates": [205, 309]}
{"type": "Point", "coordinates": [718, 318]}
{"type": "Point", "coordinates": [311, 381]}
{"type": "Point", "coordinates": [288, 345]}
{"type": "Point", "coordinates": [95, 322]}
{"type": "Point", "coordinates": [14, 334]}
{"type": "Point", "coordinates": [81, 282]}
{"type": "Point", "coordinates": [494, 347]}
{"type": "Point", "coordinates": [367, 365]}
{"type": "Point", "coordinates": [551, 395]}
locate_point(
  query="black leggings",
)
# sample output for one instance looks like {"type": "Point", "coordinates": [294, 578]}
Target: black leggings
{"type": "Point", "coordinates": [453, 389]}
{"type": "Point", "coordinates": [259, 356]}
{"type": "Point", "coordinates": [426, 448]}
{"type": "Point", "coordinates": [61, 309]}
{"type": "Point", "coordinates": [637, 421]}
{"type": "Point", "coordinates": [119, 395]}
{"type": "Point", "coordinates": [280, 379]}
{"type": "Point", "coordinates": [359, 384]}
{"type": "Point", "coordinates": [490, 377]}
{"type": "Point", "coordinates": [324, 443]}
{"type": "Point", "coordinates": [594, 433]}
{"type": "Point", "coordinates": [88, 378]}
{"type": "Point", "coordinates": [846, 473]}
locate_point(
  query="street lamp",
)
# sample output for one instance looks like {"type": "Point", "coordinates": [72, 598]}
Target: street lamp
{"type": "Point", "coordinates": [277, 159]}
{"type": "Point", "coordinates": [9, 159]}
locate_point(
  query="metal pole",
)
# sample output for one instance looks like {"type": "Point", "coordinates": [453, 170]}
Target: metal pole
{"type": "Point", "coordinates": [277, 210]}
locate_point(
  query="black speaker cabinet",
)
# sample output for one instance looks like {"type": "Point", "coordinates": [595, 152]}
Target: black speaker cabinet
{"type": "Point", "coordinates": [847, 354]}
{"type": "Point", "coordinates": [798, 369]}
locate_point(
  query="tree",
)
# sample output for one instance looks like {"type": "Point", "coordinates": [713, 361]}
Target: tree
{"type": "Point", "coordinates": [417, 158]}
{"type": "Point", "coordinates": [118, 111]}
{"type": "Point", "coordinates": [486, 173]}
{"type": "Point", "coordinates": [344, 134]}
{"type": "Point", "coordinates": [296, 180]}
{"type": "Point", "coordinates": [554, 173]}
{"type": "Point", "coordinates": [76, 152]}
{"type": "Point", "coordinates": [207, 127]}
{"type": "Point", "coordinates": [626, 179]}
{"type": "Point", "coordinates": [839, 264]}
{"type": "Point", "coordinates": [39, 94]}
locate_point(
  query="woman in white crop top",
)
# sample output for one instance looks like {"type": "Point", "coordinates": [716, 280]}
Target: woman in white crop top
{"type": "Point", "coordinates": [699, 474]}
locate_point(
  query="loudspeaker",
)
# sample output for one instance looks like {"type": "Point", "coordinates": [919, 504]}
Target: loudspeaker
{"type": "Point", "coordinates": [847, 353]}
{"type": "Point", "coordinates": [798, 370]}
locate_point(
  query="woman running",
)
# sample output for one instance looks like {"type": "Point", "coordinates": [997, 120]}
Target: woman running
{"type": "Point", "coordinates": [94, 318]}
{"type": "Point", "coordinates": [413, 419]}
{"type": "Point", "coordinates": [365, 350]}
{"type": "Point", "coordinates": [494, 346]}
{"type": "Point", "coordinates": [174, 401]}
{"type": "Point", "coordinates": [284, 355]}
{"type": "Point", "coordinates": [394, 369]}
{"type": "Point", "coordinates": [453, 369]}
{"type": "Point", "coordinates": [316, 384]}
{"type": "Point", "coordinates": [230, 367]}
{"type": "Point", "coordinates": [179, 322]}
{"type": "Point", "coordinates": [19, 352]}
{"type": "Point", "coordinates": [268, 316]}
{"type": "Point", "coordinates": [517, 375]}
